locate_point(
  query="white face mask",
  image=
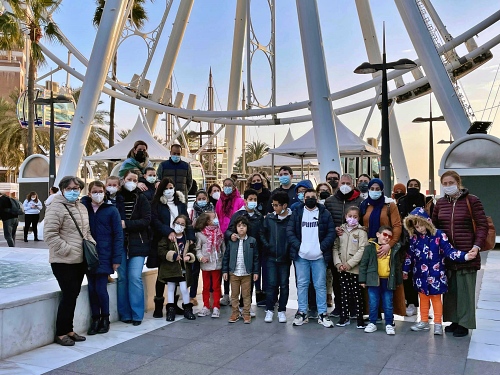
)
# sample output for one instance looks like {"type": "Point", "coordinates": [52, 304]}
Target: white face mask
{"type": "Point", "coordinates": [151, 179]}
{"type": "Point", "coordinates": [111, 189]}
{"type": "Point", "coordinates": [33, 197]}
{"type": "Point", "coordinates": [130, 186]}
{"type": "Point", "coordinates": [169, 193]}
{"type": "Point", "coordinates": [450, 190]}
{"type": "Point", "coordinates": [345, 189]}
{"type": "Point", "coordinates": [216, 195]}
{"type": "Point", "coordinates": [178, 228]}
{"type": "Point", "coordinates": [97, 197]}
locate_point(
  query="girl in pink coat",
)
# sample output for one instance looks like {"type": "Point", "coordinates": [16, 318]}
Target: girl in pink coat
{"type": "Point", "coordinates": [230, 201]}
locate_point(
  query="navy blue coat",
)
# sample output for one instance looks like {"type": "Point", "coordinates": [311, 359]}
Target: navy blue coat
{"type": "Point", "coordinates": [326, 232]}
{"type": "Point", "coordinates": [106, 229]}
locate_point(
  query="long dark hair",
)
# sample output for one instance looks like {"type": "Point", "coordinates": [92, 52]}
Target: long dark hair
{"type": "Point", "coordinates": [161, 187]}
{"type": "Point", "coordinates": [28, 197]}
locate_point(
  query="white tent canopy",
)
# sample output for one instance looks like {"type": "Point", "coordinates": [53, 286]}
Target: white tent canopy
{"type": "Point", "coordinates": [305, 146]}
{"type": "Point", "coordinates": [156, 151]}
{"type": "Point", "coordinates": [280, 160]}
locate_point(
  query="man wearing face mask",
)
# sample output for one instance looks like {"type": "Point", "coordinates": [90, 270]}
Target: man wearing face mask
{"type": "Point", "coordinates": [285, 175]}
{"type": "Point", "coordinates": [337, 204]}
{"type": "Point", "coordinates": [177, 170]}
{"type": "Point", "coordinates": [311, 235]}
{"type": "Point", "coordinates": [137, 160]}
{"type": "Point", "coordinates": [333, 178]}
{"type": "Point", "coordinates": [300, 190]}
{"type": "Point", "coordinates": [363, 180]}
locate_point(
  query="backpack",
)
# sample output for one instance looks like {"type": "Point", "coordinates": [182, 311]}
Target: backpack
{"type": "Point", "coordinates": [15, 207]}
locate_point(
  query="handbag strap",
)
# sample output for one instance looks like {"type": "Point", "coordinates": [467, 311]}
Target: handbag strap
{"type": "Point", "coordinates": [74, 220]}
{"type": "Point", "coordinates": [471, 216]}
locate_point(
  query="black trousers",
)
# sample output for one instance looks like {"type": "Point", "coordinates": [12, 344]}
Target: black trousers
{"type": "Point", "coordinates": [411, 294]}
{"type": "Point", "coordinates": [69, 278]}
{"type": "Point", "coordinates": [351, 296]}
{"type": "Point", "coordinates": [31, 220]}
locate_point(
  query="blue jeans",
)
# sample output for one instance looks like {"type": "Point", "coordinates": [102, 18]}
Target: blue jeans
{"type": "Point", "coordinates": [305, 268]}
{"type": "Point", "coordinates": [261, 283]}
{"type": "Point", "coordinates": [278, 276]}
{"type": "Point", "coordinates": [375, 294]}
{"type": "Point", "coordinates": [130, 289]}
{"type": "Point", "coordinates": [98, 294]}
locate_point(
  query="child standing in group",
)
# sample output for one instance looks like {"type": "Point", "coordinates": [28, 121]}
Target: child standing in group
{"type": "Point", "coordinates": [381, 276]}
{"type": "Point", "coordinates": [176, 258]}
{"type": "Point", "coordinates": [112, 187]}
{"type": "Point", "coordinates": [241, 263]}
{"type": "Point", "coordinates": [209, 251]}
{"type": "Point", "coordinates": [347, 253]}
{"type": "Point", "coordinates": [428, 249]}
{"type": "Point", "coordinates": [201, 204]}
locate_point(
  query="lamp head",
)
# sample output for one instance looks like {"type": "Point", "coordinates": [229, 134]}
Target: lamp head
{"type": "Point", "coordinates": [365, 68]}
{"type": "Point", "coordinates": [402, 64]}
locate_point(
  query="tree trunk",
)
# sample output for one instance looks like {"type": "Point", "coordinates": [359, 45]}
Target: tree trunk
{"type": "Point", "coordinates": [31, 106]}
{"type": "Point", "coordinates": [112, 111]}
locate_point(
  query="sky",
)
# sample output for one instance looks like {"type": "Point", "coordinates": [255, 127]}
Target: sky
{"type": "Point", "coordinates": [208, 42]}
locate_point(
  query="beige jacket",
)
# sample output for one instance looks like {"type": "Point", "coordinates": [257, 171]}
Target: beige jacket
{"type": "Point", "coordinates": [215, 258]}
{"type": "Point", "coordinates": [349, 248]}
{"type": "Point", "coordinates": [60, 233]}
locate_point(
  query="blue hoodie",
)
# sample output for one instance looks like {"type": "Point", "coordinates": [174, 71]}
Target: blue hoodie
{"type": "Point", "coordinates": [304, 183]}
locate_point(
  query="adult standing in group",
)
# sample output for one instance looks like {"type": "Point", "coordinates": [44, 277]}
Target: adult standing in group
{"type": "Point", "coordinates": [32, 207]}
{"type": "Point", "coordinates": [52, 192]}
{"type": "Point", "coordinates": [378, 210]}
{"type": "Point", "coordinates": [214, 192]}
{"type": "Point", "coordinates": [135, 213]}
{"type": "Point", "coordinates": [137, 160]}
{"type": "Point", "coordinates": [456, 214]}
{"type": "Point", "coordinates": [333, 177]}
{"type": "Point", "coordinates": [61, 234]}
{"type": "Point", "coordinates": [177, 170]}
{"type": "Point", "coordinates": [363, 180]}
{"type": "Point", "coordinates": [285, 175]}
{"type": "Point", "coordinates": [258, 183]}
{"type": "Point", "coordinates": [9, 213]}
{"type": "Point", "coordinates": [230, 201]}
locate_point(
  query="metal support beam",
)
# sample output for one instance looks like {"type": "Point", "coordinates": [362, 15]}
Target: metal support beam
{"type": "Point", "coordinates": [318, 88]}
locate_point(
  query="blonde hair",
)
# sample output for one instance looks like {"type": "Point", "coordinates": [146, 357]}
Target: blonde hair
{"type": "Point", "coordinates": [250, 178]}
{"type": "Point", "coordinates": [453, 175]}
{"type": "Point", "coordinates": [329, 187]}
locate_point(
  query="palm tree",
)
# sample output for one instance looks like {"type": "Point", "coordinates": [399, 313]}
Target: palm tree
{"type": "Point", "coordinates": [34, 18]}
{"type": "Point", "coordinates": [11, 36]}
{"type": "Point", "coordinates": [254, 151]}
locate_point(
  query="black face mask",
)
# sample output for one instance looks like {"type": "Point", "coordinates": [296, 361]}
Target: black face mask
{"type": "Point", "coordinates": [363, 187]}
{"type": "Point", "coordinates": [334, 183]}
{"type": "Point", "coordinates": [398, 195]}
{"type": "Point", "coordinates": [310, 202]}
{"type": "Point", "coordinates": [324, 195]}
{"type": "Point", "coordinates": [256, 186]}
{"type": "Point", "coordinates": [413, 191]}
{"type": "Point", "coordinates": [140, 156]}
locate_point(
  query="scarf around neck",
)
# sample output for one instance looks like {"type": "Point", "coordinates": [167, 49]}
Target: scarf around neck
{"type": "Point", "coordinates": [214, 237]}
{"type": "Point", "coordinates": [374, 219]}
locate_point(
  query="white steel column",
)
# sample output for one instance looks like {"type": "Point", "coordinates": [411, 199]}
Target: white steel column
{"type": "Point", "coordinates": [169, 58]}
{"type": "Point", "coordinates": [235, 77]}
{"type": "Point", "coordinates": [318, 87]}
{"type": "Point", "coordinates": [110, 28]}
{"type": "Point", "coordinates": [450, 105]}
{"type": "Point", "coordinates": [374, 57]}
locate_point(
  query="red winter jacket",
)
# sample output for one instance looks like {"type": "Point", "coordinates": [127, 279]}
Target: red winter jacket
{"type": "Point", "coordinates": [453, 217]}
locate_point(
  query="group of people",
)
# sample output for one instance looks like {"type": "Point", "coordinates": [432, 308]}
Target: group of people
{"type": "Point", "coordinates": [352, 247]}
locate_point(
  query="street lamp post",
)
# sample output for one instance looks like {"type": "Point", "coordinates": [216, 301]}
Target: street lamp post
{"type": "Point", "coordinates": [52, 152]}
{"type": "Point", "coordinates": [430, 119]}
{"type": "Point", "coordinates": [366, 67]}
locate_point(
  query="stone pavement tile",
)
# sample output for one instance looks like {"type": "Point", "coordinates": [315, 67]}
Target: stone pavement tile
{"type": "Point", "coordinates": [265, 362]}
{"type": "Point", "coordinates": [487, 325]}
{"type": "Point", "coordinates": [193, 330]}
{"type": "Point", "coordinates": [237, 332]}
{"type": "Point", "coordinates": [232, 371]}
{"type": "Point", "coordinates": [11, 368]}
{"type": "Point", "coordinates": [372, 340]}
{"type": "Point", "coordinates": [171, 367]}
{"type": "Point", "coordinates": [427, 342]}
{"type": "Point", "coordinates": [406, 360]}
{"type": "Point", "coordinates": [391, 371]}
{"type": "Point", "coordinates": [152, 345]}
{"type": "Point", "coordinates": [324, 365]}
{"type": "Point", "coordinates": [474, 367]}
{"type": "Point", "coordinates": [484, 352]}
{"type": "Point", "coordinates": [290, 342]}
{"type": "Point", "coordinates": [109, 362]}
{"type": "Point", "coordinates": [208, 353]}
{"type": "Point", "coordinates": [486, 337]}
{"type": "Point", "coordinates": [487, 314]}
{"type": "Point", "coordinates": [61, 372]}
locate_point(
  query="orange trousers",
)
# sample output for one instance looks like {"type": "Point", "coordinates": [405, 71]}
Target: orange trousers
{"type": "Point", "coordinates": [437, 305]}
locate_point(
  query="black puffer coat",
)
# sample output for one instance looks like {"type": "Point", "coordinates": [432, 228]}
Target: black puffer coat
{"type": "Point", "coordinates": [338, 204]}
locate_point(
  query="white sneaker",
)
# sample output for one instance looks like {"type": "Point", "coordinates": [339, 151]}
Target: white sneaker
{"type": "Point", "coordinates": [370, 328]}
{"type": "Point", "coordinates": [281, 317]}
{"type": "Point", "coordinates": [204, 311]}
{"type": "Point", "coordinates": [252, 312]}
{"type": "Point", "coordinates": [216, 313]}
{"type": "Point", "coordinates": [225, 300]}
{"type": "Point", "coordinates": [420, 326]}
{"type": "Point", "coordinates": [324, 320]}
{"type": "Point", "coordinates": [300, 319]}
{"type": "Point", "coordinates": [411, 310]}
{"type": "Point", "coordinates": [389, 329]}
{"type": "Point", "coordinates": [269, 316]}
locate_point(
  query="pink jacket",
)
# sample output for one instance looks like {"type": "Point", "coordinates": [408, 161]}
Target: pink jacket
{"type": "Point", "coordinates": [224, 220]}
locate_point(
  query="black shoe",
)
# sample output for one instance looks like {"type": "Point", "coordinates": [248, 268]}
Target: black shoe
{"type": "Point", "coordinates": [178, 310]}
{"type": "Point", "coordinates": [343, 322]}
{"type": "Point", "coordinates": [451, 328]}
{"type": "Point", "coordinates": [136, 322]}
{"type": "Point", "coordinates": [460, 331]}
{"type": "Point", "coordinates": [25, 240]}
{"type": "Point", "coordinates": [335, 313]}
{"type": "Point", "coordinates": [188, 311]}
{"type": "Point", "coordinates": [170, 312]}
{"type": "Point", "coordinates": [76, 337]}
{"type": "Point", "coordinates": [93, 327]}
{"type": "Point", "coordinates": [158, 313]}
{"type": "Point", "coordinates": [37, 240]}
{"type": "Point", "coordinates": [129, 321]}
{"type": "Point", "coordinates": [103, 325]}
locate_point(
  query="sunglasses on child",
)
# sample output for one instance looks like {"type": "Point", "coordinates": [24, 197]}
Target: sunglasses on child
{"type": "Point", "coordinates": [389, 236]}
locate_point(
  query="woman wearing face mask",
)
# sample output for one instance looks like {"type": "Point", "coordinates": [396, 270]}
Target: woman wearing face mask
{"type": "Point", "coordinates": [230, 201]}
{"type": "Point", "coordinates": [106, 229]}
{"type": "Point", "coordinates": [363, 180]}
{"type": "Point", "coordinates": [324, 190]}
{"type": "Point", "coordinates": [258, 183]}
{"type": "Point", "coordinates": [137, 160]}
{"type": "Point", "coordinates": [66, 253]}
{"type": "Point", "coordinates": [135, 212]}
{"type": "Point", "coordinates": [32, 207]}
{"type": "Point", "coordinates": [214, 192]}
{"type": "Point", "coordinates": [201, 204]}
{"type": "Point", "coordinates": [167, 205]}
{"type": "Point", "coordinates": [456, 214]}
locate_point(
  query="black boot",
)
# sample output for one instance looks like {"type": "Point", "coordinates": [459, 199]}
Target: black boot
{"type": "Point", "coordinates": [158, 313]}
{"type": "Point", "coordinates": [188, 311]}
{"type": "Point", "coordinates": [94, 326]}
{"type": "Point", "coordinates": [178, 310]}
{"type": "Point", "coordinates": [170, 312]}
{"type": "Point", "coordinates": [103, 324]}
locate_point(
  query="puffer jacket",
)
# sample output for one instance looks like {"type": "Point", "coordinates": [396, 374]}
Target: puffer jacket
{"type": "Point", "coordinates": [215, 259]}
{"type": "Point", "coordinates": [326, 232]}
{"type": "Point", "coordinates": [453, 218]}
{"type": "Point", "coordinates": [106, 228]}
{"type": "Point", "coordinates": [292, 198]}
{"type": "Point", "coordinates": [273, 238]}
{"type": "Point", "coordinates": [60, 233]}
{"type": "Point", "coordinates": [349, 248]}
{"type": "Point", "coordinates": [179, 172]}
{"type": "Point", "coordinates": [304, 183]}
{"type": "Point", "coordinates": [368, 268]}
{"type": "Point", "coordinates": [169, 266]}
{"type": "Point", "coordinates": [250, 255]}
{"type": "Point", "coordinates": [137, 242]}
{"type": "Point", "coordinates": [388, 216]}
{"type": "Point", "coordinates": [338, 203]}
{"type": "Point", "coordinates": [237, 203]}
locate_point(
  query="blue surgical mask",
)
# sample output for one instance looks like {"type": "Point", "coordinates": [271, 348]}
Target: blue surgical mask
{"type": "Point", "coordinates": [228, 190]}
{"type": "Point", "coordinates": [151, 179]}
{"type": "Point", "coordinates": [374, 194]}
{"type": "Point", "coordinates": [175, 158]}
{"type": "Point", "coordinates": [284, 180]}
{"type": "Point", "coordinates": [252, 205]}
{"type": "Point", "coordinates": [71, 196]}
{"type": "Point", "coordinates": [215, 221]}
{"type": "Point", "coordinates": [300, 197]}
{"type": "Point", "coordinates": [201, 203]}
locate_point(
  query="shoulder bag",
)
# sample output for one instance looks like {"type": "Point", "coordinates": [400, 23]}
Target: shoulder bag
{"type": "Point", "coordinates": [490, 241]}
